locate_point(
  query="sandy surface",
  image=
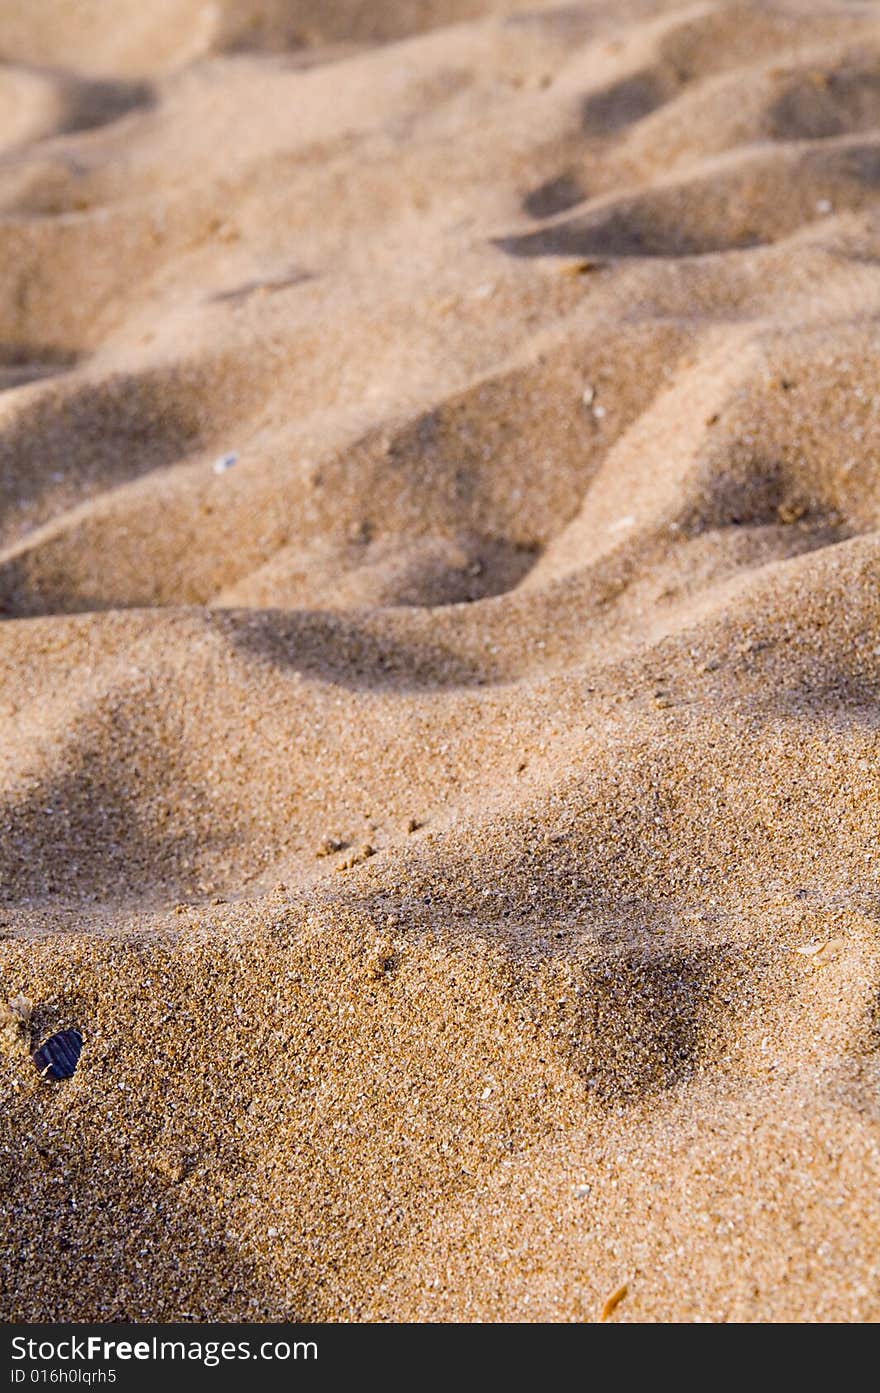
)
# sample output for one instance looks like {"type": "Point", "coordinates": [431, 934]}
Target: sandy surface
{"type": "Point", "coordinates": [440, 658]}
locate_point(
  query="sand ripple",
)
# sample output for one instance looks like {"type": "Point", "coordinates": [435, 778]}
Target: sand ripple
{"type": "Point", "coordinates": [440, 658]}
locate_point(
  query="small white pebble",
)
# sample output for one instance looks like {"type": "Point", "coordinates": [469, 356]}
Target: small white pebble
{"type": "Point", "coordinates": [824, 205]}
{"type": "Point", "coordinates": [273, 1233]}
{"type": "Point", "coordinates": [224, 462]}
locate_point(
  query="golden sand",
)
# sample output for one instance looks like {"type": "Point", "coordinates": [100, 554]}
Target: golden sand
{"type": "Point", "coordinates": [440, 660]}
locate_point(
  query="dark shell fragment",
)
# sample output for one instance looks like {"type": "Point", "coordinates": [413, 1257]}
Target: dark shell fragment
{"type": "Point", "coordinates": [58, 1056]}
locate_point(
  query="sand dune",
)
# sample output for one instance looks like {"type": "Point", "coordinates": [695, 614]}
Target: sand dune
{"type": "Point", "coordinates": [440, 657]}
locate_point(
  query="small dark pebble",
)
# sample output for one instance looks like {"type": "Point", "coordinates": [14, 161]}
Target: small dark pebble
{"type": "Point", "coordinates": [58, 1056]}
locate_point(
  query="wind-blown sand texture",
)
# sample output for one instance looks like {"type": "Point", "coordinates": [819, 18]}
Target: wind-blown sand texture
{"type": "Point", "coordinates": [453, 824]}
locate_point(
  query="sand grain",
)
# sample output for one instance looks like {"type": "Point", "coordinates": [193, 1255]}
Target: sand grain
{"type": "Point", "coordinates": [440, 660]}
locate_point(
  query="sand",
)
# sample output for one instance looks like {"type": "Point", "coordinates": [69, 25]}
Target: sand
{"type": "Point", "coordinates": [440, 659]}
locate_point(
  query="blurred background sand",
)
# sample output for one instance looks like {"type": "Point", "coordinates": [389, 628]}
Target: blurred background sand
{"type": "Point", "coordinates": [440, 657]}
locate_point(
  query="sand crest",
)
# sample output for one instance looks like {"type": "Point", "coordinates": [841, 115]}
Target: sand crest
{"type": "Point", "coordinates": [439, 660]}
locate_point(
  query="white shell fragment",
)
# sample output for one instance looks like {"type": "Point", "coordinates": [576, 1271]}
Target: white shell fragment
{"type": "Point", "coordinates": [224, 462]}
